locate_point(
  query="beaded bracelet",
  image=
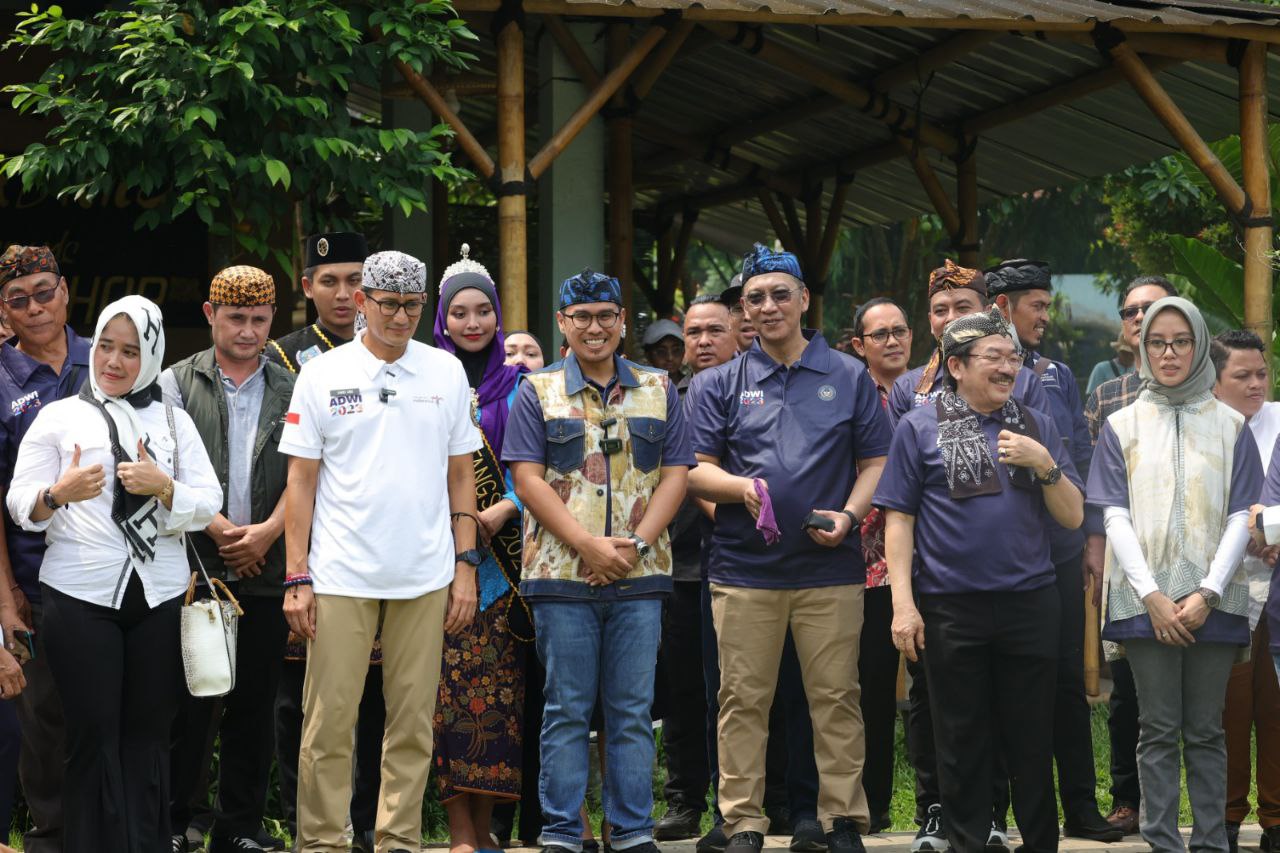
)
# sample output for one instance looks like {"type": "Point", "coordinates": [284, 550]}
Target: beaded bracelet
{"type": "Point", "coordinates": [297, 580]}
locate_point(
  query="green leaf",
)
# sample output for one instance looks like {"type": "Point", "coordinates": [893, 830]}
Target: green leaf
{"type": "Point", "coordinates": [1218, 281]}
{"type": "Point", "coordinates": [277, 173]}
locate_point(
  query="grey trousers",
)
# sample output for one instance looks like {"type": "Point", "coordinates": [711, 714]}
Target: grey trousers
{"type": "Point", "coordinates": [1181, 693]}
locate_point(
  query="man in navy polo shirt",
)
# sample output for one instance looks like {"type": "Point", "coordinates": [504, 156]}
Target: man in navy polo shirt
{"type": "Point", "coordinates": [43, 361]}
{"type": "Point", "coordinates": [790, 429]}
{"type": "Point", "coordinates": [1023, 290]}
{"type": "Point", "coordinates": [976, 468]}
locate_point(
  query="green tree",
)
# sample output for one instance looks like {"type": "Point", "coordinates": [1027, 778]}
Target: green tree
{"type": "Point", "coordinates": [235, 111]}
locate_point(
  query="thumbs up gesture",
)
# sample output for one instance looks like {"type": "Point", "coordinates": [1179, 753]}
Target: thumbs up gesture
{"type": "Point", "coordinates": [143, 477]}
{"type": "Point", "coordinates": [78, 483]}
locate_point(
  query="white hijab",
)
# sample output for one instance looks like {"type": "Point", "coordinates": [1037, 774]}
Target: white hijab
{"type": "Point", "coordinates": [148, 320]}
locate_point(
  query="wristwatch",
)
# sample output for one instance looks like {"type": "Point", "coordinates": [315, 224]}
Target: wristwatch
{"type": "Point", "coordinates": [1050, 477]}
{"type": "Point", "coordinates": [471, 557]}
{"type": "Point", "coordinates": [642, 547]}
{"type": "Point", "coordinates": [1210, 597]}
{"type": "Point", "coordinates": [49, 501]}
{"type": "Point", "coordinates": [856, 523]}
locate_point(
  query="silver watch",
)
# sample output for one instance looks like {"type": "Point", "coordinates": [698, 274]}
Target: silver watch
{"type": "Point", "coordinates": [642, 547]}
{"type": "Point", "coordinates": [1210, 597]}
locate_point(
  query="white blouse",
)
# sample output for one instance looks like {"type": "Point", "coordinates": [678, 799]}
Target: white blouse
{"type": "Point", "coordinates": [87, 557]}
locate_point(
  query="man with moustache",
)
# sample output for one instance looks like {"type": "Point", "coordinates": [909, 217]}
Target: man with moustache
{"type": "Point", "coordinates": [330, 279]}
{"type": "Point", "coordinates": [771, 432]}
{"type": "Point", "coordinates": [1106, 399]}
{"type": "Point", "coordinates": [44, 361]}
{"type": "Point", "coordinates": [687, 739]}
{"type": "Point", "coordinates": [1023, 291]}
{"type": "Point", "coordinates": [238, 401]}
{"type": "Point", "coordinates": [976, 467]}
{"type": "Point", "coordinates": [882, 339]}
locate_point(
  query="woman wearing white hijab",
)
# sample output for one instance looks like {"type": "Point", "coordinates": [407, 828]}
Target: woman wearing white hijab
{"type": "Point", "coordinates": [114, 477]}
{"type": "Point", "coordinates": [1175, 473]}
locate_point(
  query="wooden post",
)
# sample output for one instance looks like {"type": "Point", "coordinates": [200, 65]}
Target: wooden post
{"type": "Point", "coordinates": [967, 202]}
{"type": "Point", "coordinates": [780, 227]}
{"type": "Point", "coordinates": [1092, 645]}
{"type": "Point", "coordinates": [932, 187]}
{"type": "Point", "coordinates": [621, 192]}
{"type": "Point", "coordinates": [512, 237]}
{"type": "Point", "coordinates": [1257, 185]}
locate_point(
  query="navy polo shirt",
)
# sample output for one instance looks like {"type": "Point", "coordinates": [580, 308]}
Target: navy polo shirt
{"type": "Point", "coordinates": [903, 397]}
{"type": "Point", "coordinates": [801, 429]}
{"type": "Point", "coordinates": [1063, 395]}
{"type": "Point", "coordinates": [26, 385]}
{"type": "Point", "coordinates": [985, 543]}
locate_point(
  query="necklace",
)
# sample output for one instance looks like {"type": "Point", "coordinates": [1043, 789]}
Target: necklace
{"type": "Point", "coordinates": [315, 327]}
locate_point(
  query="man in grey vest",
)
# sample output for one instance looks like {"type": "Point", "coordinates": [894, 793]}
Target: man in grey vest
{"type": "Point", "coordinates": [238, 400]}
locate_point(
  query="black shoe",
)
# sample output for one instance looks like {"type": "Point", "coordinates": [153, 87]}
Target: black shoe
{"type": "Point", "coordinates": [362, 841]}
{"type": "Point", "coordinates": [680, 822]}
{"type": "Point", "coordinates": [267, 841]}
{"type": "Point", "coordinates": [779, 820]}
{"type": "Point", "coordinates": [1092, 825]}
{"type": "Point", "coordinates": [713, 842]}
{"type": "Point", "coordinates": [240, 844]}
{"type": "Point", "coordinates": [807, 836]}
{"type": "Point", "coordinates": [880, 823]}
{"type": "Point", "coordinates": [1270, 841]}
{"type": "Point", "coordinates": [844, 837]}
{"type": "Point", "coordinates": [590, 845]}
{"type": "Point", "coordinates": [1233, 837]}
{"type": "Point", "coordinates": [931, 838]}
{"type": "Point", "coordinates": [745, 842]}
{"type": "Point", "coordinates": [998, 839]}
{"type": "Point", "coordinates": [647, 847]}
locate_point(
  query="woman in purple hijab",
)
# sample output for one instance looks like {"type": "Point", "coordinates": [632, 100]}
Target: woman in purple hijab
{"type": "Point", "coordinates": [479, 709]}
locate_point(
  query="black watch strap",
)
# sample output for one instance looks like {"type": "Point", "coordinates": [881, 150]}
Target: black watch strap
{"type": "Point", "coordinates": [471, 557]}
{"type": "Point", "coordinates": [857, 522]}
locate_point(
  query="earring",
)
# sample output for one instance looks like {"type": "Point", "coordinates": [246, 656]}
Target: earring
{"type": "Point", "coordinates": [446, 333]}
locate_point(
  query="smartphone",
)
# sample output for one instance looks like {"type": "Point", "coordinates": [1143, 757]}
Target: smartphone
{"type": "Point", "coordinates": [820, 522]}
{"type": "Point", "coordinates": [24, 646]}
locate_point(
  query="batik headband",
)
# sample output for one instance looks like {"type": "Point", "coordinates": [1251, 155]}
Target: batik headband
{"type": "Point", "coordinates": [952, 276]}
{"type": "Point", "coordinates": [18, 261]}
{"type": "Point", "coordinates": [590, 286]}
{"type": "Point", "coordinates": [395, 272]}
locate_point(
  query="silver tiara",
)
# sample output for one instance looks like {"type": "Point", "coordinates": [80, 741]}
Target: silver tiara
{"type": "Point", "coordinates": [459, 267]}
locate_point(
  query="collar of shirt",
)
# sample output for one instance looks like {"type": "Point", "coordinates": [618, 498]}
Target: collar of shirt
{"type": "Point", "coordinates": [574, 381]}
{"type": "Point", "coordinates": [816, 357]}
{"type": "Point", "coordinates": [21, 366]}
{"type": "Point", "coordinates": [228, 385]}
{"type": "Point", "coordinates": [371, 364]}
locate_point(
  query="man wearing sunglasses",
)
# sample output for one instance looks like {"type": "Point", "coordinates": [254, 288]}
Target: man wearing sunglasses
{"type": "Point", "coordinates": [790, 440]}
{"type": "Point", "coordinates": [596, 445]}
{"type": "Point", "coordinates": [44, 361]}
{"type": "Point", "coordinates": [1023, 291]}
{"type": "Point", "coordinates": [1106, 399]}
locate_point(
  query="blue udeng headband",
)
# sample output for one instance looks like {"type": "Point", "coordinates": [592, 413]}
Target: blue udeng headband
{"type": "Point", "coordinates": [761, 260]}
{"type": "Point", "coordinates": [590, 286]}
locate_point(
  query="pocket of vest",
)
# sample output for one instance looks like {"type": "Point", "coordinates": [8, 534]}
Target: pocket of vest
{"type": "Point", "coordinates": [566, 444]}
{"type": "Point", "coordinates": [647, 437]}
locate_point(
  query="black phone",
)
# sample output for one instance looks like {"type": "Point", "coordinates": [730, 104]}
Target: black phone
{"type": "Point", "coordinates": [820, 522]}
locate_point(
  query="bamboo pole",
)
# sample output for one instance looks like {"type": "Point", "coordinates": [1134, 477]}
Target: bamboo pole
{"type": "Point", "coordinates": [813, 221]}
{"type": "Point", "coordinates": [967, 202]}
{"type": "Point", "coordinates": [621, 198]}
{"type": "Point", "coordinates": [932, 187]}
{"type": "Point", "coordinates": [662, 57]}
{"type": "Point", "coordinates": [1163, 107]}
{"type": "Point", "coordinates": [1092, 645]}
{"type": "Point", "coordinates": [793, 223]}
{"type": "Point", "coordinates": [573, 52]}
{"type": "Point", "coordinates": [1257, 182]}
{"type": "Point", "coordinates": [512, 235]}
{"type": "Point", "coordinates": [600, 95]}
{"type": "Point", "coordinates": [466, 141]}
{"type": "Point", "coordinates": [775, 219]}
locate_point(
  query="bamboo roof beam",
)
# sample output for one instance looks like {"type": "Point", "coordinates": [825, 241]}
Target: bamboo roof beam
{"type": "Point", "coordinates": [466, 140]}
{"type": "Point", "coordinates": [1188, 48]}
{"type": "Point", "coordinates": [780, 227]}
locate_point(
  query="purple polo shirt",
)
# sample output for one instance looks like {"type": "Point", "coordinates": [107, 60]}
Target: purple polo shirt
{"type": "Point", "coordinates": [985, 543]}
{"type": "Point", "coordinates": [1271, 497]}
{"type": "Point", "coordinates": [1109, 486]}
{"type": "Point", "coordinates": [903, 397]}
{"type": "Point", "coordinates": [801, 429]}
{"type": "Point", "coordinates": [27, 385]}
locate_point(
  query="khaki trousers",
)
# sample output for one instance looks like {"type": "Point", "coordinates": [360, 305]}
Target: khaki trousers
{"type": "Point", "coordinates": [751, 627]}
{"type": "Point", "coordinates": [337, 662]}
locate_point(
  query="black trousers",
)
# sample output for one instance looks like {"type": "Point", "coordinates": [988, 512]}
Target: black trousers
{"type": "Point", "coordinates": [244, 721]}
{"type": "Point", "coordinates": [1072, 733]}
{"type": "Point", "coordinates": [120, 676]}
{"type": "Point", "coordinates": [366, 763]}
{"type": "Point", "coordinates": [981, 647]}
{"type": "Point", "coordinates": [42, 758]}
{"type": "Point", "coordinates": [878, 677]}
{"type": "Point", "coordinates": [1122, 726]}
{"type": "Point", "coordinates": [684, 730]}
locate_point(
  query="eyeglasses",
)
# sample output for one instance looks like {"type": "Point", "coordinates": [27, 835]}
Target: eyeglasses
{"type": "Point", "coordinates": [389, 307]}
{"type": "Point", "coordinates": [583, 319]}
{"type": "Point", "coordinates": [1132, 311]}
{"type": "Point", "coordinates": [881, 336]}
{"type": "Point", "coordinates": [1156, 348]}
{"type": "Point", "coordinates": [780, 296]}
{"type": "Point", "coordinates": [1014, 361]}
{"type": "Point", "coordinates": [42, 297]}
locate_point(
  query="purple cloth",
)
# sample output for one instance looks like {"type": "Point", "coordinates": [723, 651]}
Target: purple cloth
{"type": "Point", "coordinates": [765, 522]}
{"type": "Point", "coordinates": [498, 380]}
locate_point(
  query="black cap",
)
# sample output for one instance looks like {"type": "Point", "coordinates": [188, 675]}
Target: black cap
{"type": "Point", "coordinates": [339, 247]}
{"type": "Point", "coordinates": [1018, 274]}
{"type": "Point", "coordinates": [730, 295]}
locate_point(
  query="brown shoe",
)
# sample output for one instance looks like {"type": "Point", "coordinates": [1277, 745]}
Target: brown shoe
{"type": "Point", "coordinates": [1124, 819]}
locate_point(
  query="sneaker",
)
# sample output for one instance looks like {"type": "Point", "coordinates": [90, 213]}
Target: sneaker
{"type": "Point", "coordinates": [1270, 841]}
{"type": "Point", "coordinates": [1233, 837]}
{"type": "Point", "coordinates": [267, 841]}
{"type": "Point", "coordinates": [713, 842]}
{"type": "Point", "coordinates": [1091, 825]}
{"type": "Point", "coordinates": [808, 836]}
{"type": "Point", "coordinates": [998, 839]}
{"type": "Point", "coordinates": [680, 822]}
{"type": "Point", "coordinates": [242, 844]}
{"type": "Point", "coordinates": [844, 837]}
{"type": "Point", "coordinates": [745, 842]}
{"type": "Point", "coordinates": [180, 844]}
{"type": "Point", "coordinates": [1124, 818]}
{"type": "Point", "coordinates": [931, 838]}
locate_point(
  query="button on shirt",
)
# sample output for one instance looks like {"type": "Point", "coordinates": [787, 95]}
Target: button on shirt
{"type": "Point", "coordinates": [244, 407]}
{"type": "Point", "coordinates": [26, 386]}
{"type": "Point", "coordinates": [903, 396]}
{"type": "Point", "coordinates": [802, 430]}
{"type": "Point", "coordinates": [381, 523]}
{"type": "Point", "coordinates": [984, 543]}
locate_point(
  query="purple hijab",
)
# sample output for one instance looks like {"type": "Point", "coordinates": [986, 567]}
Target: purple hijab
{"type": "Point", "coordinates": [498, 379]}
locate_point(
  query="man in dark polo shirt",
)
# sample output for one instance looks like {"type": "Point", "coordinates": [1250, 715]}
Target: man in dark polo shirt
{"type": "Point", "coordinates": [1023, 290]}
{"type": "Point", "coordinates": [976, 468]}
{"type": "Point", "coordinates": [44, 361]}
{"type": "Point", "coordinates": [791, 431]}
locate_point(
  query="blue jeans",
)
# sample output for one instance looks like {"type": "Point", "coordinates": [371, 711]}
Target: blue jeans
{"type": "Point", "coordinates": [607, 649]}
